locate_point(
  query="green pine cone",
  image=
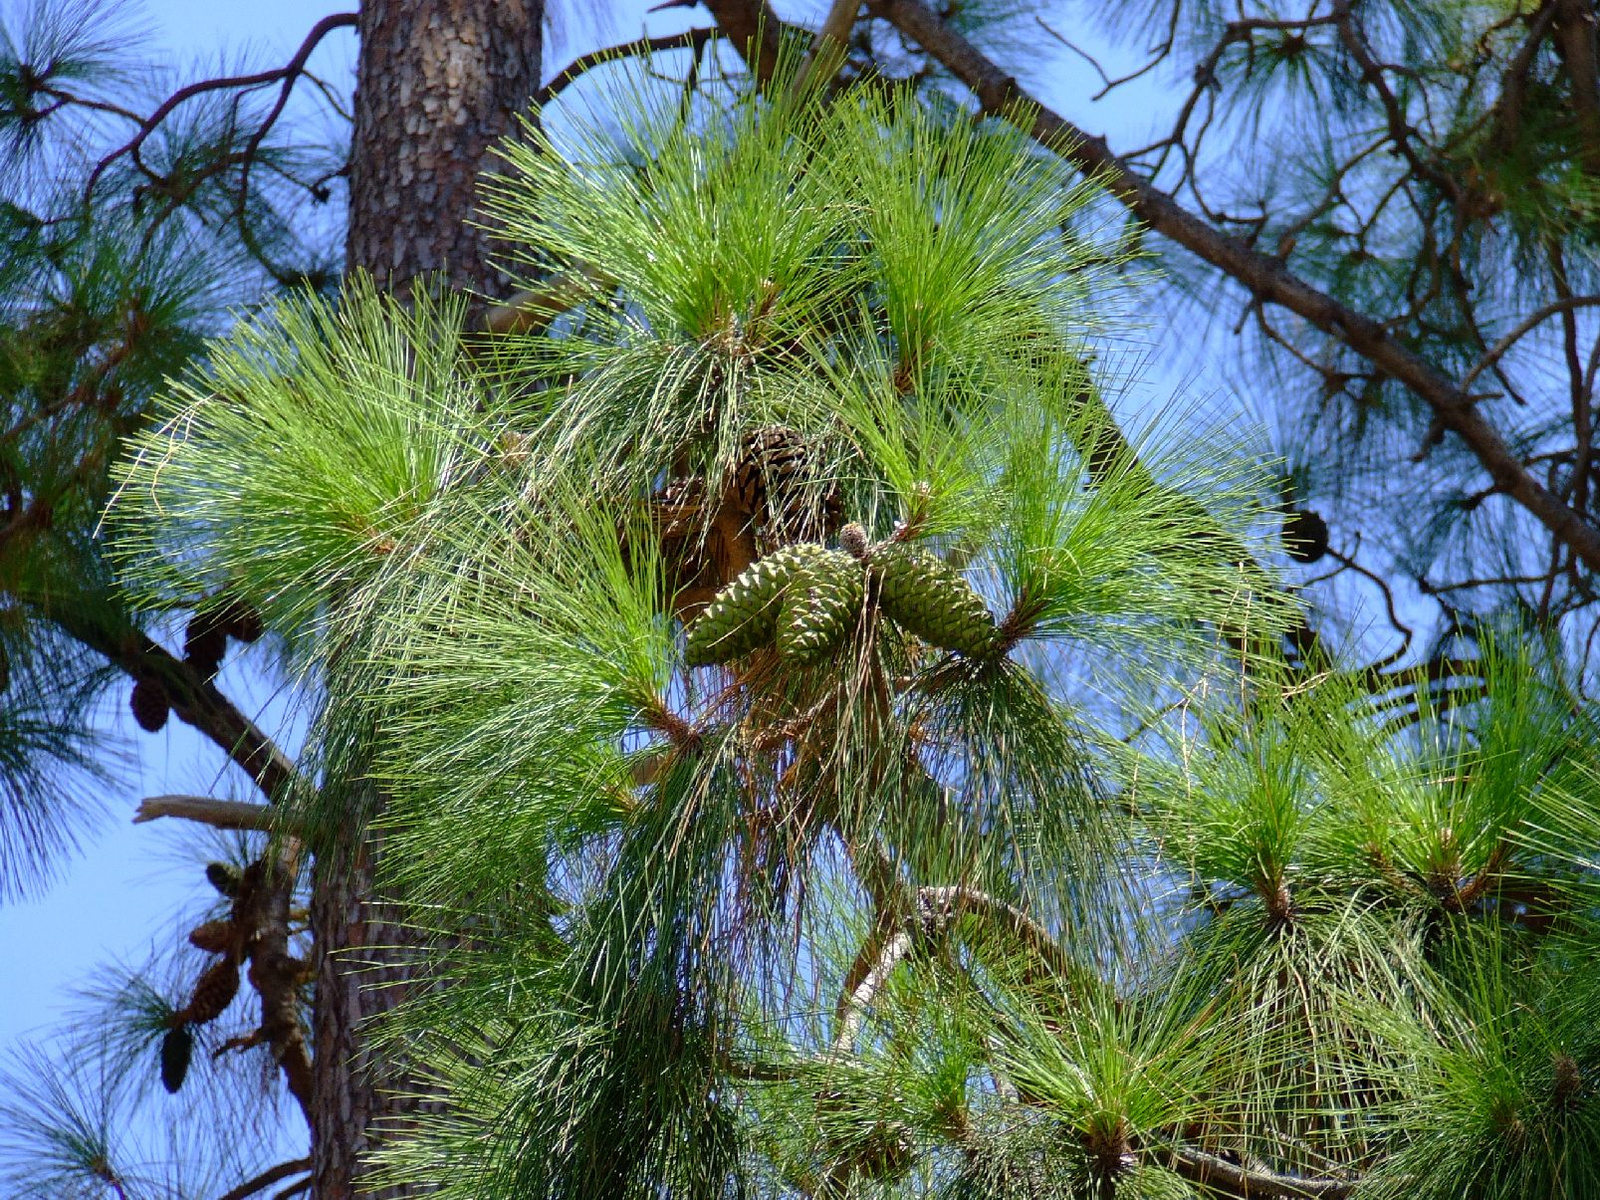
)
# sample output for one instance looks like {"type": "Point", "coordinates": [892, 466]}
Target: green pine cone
{"type": "Point", "coordinates": [819, 605]}
{"type": "Point", "coordinates": [930, 599]}
{"type": "Point", "coordinates": [744, 615]}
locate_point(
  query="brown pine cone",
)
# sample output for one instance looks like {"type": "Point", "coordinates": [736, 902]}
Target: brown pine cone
{"type": "Point", "coordinates": [214, 936]}
{"type": "Point", "coordinates": [150, 703]}
{"type": "Point", "coordinates": [176, 1049]}
{"type": "Point", "coordinates": [1305, 535]}
{"type": "Point", "coordinates": [213, 992]}
{"type": "Point", "coordinates": [205, 642]}
{"type": "Point", "coordinates": [225, 877]}
{"type": "Point", "coordinates": [772, 460]}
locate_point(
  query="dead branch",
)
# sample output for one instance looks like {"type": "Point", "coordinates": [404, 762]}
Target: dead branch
{"type": "Point", "coordinates": [219, 814]}
{"type": "Point", "coordinates": [1209, 1170]}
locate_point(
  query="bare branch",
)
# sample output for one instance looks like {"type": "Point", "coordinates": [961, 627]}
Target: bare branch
{"type": "Point", "coordinates": [690, 39]}
{"type": "Point", "coordinates": [222, 83]}
{"type": "Point", "coordinates": [854, 1008]}
{"type": "Point", "coordinates": [828, 48]}
{"type": "Point", "coordinates": [219, 814]}
{"type": "Point", "coordinates": [266, 1179]}
{"type": "Point", "coordinates": [1523, 327]}
{"type": "Point", "coordinates": [754, 29]}
{"type": "Point", "coordinates": [1265, 276]}
{"type": "Point", "coordinates": [954, 901]}
{"type": "Point", "coordinates": [531, 310]}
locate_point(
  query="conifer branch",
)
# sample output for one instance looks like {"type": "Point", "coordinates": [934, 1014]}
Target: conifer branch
{"type": "Point", "coordinates": [195, 698]}
{"type": "Point", "coordinates": [285, 74]}
{"type": "Point", "coordinates": [1266, 277]}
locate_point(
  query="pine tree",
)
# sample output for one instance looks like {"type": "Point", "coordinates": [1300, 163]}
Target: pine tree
{"type": "Point", "coordinates": [1486, 111]}
{"type": "Point", "coordinates": [966, 834]}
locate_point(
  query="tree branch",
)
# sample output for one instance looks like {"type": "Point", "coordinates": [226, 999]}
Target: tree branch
{"type": "Point", "coordinates": [957, 900]}
{"type": "Point", "coordinates": [754, 29]}
{"type": "Point", "coordinates": [1496, 352]}
{"type": "Point", "coordinates": [1264, 276]}
{"type": "Point", "coordinates": [853, 1009]}
{"type": "Point", "coordinates": [1209, 1170]}
{"type": "Point", "coordinates": [1575, 43]}
{"type": "Point", "coordinates": [219, 814]}
{"type": "Point", "coordinates": [195, 698]}
{"type": "Point", "coordinates": [266, 1179]}
{"type": "Point", "coordinates": [828, 48]}
{"type": "Point", "coordinates": [226, 82]}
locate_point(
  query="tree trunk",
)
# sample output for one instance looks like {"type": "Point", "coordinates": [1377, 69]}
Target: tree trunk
{"type": "Point", "coordinates": [437, 83]}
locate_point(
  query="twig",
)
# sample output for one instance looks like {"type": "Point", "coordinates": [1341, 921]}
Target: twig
{"type": "Point", "coordinates": [291, 74]}
{"type": "Point", "coordinates": [690, 39]}
{"type": "Point", "coordinates": [1498, 350]}
{"type": "Point", "coordinates": [219, 814]}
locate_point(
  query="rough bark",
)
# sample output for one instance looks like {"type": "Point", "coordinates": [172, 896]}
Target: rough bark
{"type": "Point", "coordinates": [437, 83]}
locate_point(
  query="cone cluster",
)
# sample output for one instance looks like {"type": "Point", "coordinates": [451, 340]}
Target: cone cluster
{"type": "Point", "coordinates": [205, 638]}
{"type": "Point", "coordinates": [927, 597]}
{"type": "Point", "coordinates": [804, 599]}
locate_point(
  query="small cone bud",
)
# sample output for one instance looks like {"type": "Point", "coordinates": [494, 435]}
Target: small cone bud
{"type": "Point", "coordinates": [853, 541]}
